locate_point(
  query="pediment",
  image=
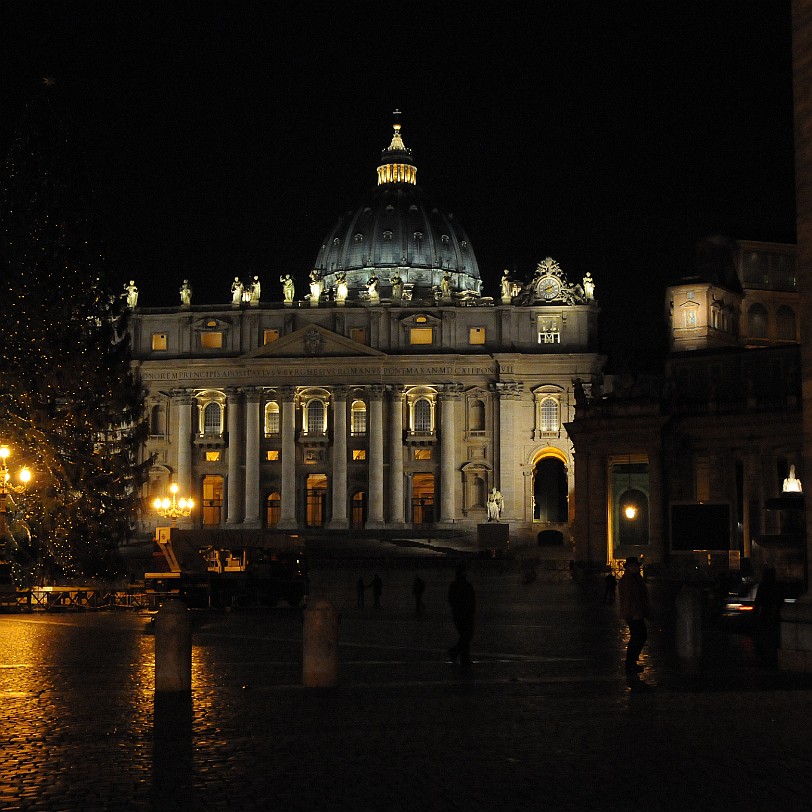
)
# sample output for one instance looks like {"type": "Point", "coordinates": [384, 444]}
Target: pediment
{"type": "Point", "coordinates": [313, 341]}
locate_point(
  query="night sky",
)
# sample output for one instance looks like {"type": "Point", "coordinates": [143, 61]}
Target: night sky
{"type": "Point", "coordinates": [225, 139]}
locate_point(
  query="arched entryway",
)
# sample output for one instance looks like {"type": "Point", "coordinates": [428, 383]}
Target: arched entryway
{"type": "Point", "coordinates": [273, 509]}
{"type": "Point", "coordinates": [358, 516]}
{"type": "Point", "coordinates": [550, 489]}
{"type": "Point", "coordinates": [212, 501]}
{"type": "Point", "coordinates": [316, 500]}
{"type": "Point", "coordinates": [422, 499]}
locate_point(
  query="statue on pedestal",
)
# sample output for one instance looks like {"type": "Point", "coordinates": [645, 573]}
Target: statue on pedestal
{"type": "Point", "coordinates": [236, 291]}
{"type": "Point", "coordinates": [341, 289]}
{"type": "Point", "coordinates": [397, 288]}
{"type": "Point", "coordinates": [372, 289]}
{"type": "Point", "coordinates": [506, 287]}
{"type": "Point", "coordinates": [256, 290]}
{"type": "Point", "coordinates": [791, 484]}
{"type": "Point", "coordinates": [288, 288]}
{"type": "Point", "coordinates": [185, 294]}
{"type": "Point", "coordinates": [494, 505]}
{"type": "Point", "coordinates": [130, 294]}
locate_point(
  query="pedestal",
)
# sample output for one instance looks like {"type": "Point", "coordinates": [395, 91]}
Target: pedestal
{"type": "Point", "coordinates": [493, 535]}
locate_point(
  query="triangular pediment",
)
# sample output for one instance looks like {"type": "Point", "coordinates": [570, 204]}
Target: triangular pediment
{"type": "Point", "coordinates": [313, 341]}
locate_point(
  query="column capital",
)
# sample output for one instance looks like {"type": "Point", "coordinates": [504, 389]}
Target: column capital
{"type": "Point", "coordinates": [395, 391]}
{"type": "Point", "coordinates": [340, 392]}
{"type": "Point", "coordinates": [233, 392]}
{"type": "Point", "coordinates": [287, 393]}
{"type": "Point", "coordinates": [253, 394]}
{"type": "Point", "coordinates": [377, 391]}
{"type": "Point", "coordinates": [507, 390]}
{"type": "Point", "coordinates": [185, 396]}
{"type": "Point", "coordinates": [450, 391]}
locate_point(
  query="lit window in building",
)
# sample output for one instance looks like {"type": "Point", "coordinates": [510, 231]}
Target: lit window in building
{"type": "Point", "coordinates": [269, 336]}
{"type": "Point", "coordinates": [271, 419]}
{"type": "Point", "coordinates": [421, 335]}
{"type": "Point", "coordinates": [159, 341]}
{"type": "Point", "coordinates": [272, 456]}
{"type": "Point", "coordinates": [315, 417]}
{"type": "Point", "coordinates": [549, 415]}
{"type": "Point", "coordinates": [212, 456]}
{"type": "Point", "coordinates": [211, 341]}
{"type": "Point", "coordinates": [212, 419]}
{"type": "Point", "coordinates": [358, 420]}
{"type": "Point", "coordinates": [422, 454]}
{"type": "Point", "coordinates": [358, 334]}
{"type": "Point", "coordinates": [359, 454]}
{"type": "Point", "coordinates": [476, 335]}
{"type": "Point", "coordinates": [422, 417]}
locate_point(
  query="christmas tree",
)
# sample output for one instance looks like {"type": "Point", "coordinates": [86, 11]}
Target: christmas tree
{"type": "Point", "coordinates": [69, 402]}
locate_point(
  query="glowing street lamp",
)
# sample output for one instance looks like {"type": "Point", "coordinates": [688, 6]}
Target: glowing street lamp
{"type": "Point", "coordinates": [7, 487]}
{"type": "Point", "coordinates": [173, 509]}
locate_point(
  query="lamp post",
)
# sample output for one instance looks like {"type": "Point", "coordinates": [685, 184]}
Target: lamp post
{"type": "Point", "coordinates": [7, 487]}
{"type": "Point", "coordinates": [175, 508]}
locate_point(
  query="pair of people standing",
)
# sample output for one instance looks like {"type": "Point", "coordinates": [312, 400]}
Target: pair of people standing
{"type": "Point", "coordinates": [377, 590]}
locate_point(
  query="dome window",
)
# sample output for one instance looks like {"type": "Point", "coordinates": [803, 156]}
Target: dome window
{"type": "Point", "coordinates": [336, 241]}
{"type": "Point", "coordinates": [445, 239]}
{"type": "Point", "coordinates": [359, 237]}
{"type": "Point", "coordinates": [387, 235]}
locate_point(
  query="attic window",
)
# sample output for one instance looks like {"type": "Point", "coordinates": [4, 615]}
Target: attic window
{"type": "Point", "coordinates": [269, 336]}
{"type": "Point", "coordinates": [211, 324]}
{"type": "Point", "coordinates": [421, 319]}
{"type": "Point", "coordinates": [211, 341]}
{"type": "Point", "coordinates": [387, 235]}
{"type": "Point", "coordinates": [445, 239]}
{"type": "Point", "coordinates": [359, 237]}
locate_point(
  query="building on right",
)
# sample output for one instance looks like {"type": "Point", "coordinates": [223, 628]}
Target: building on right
{"type": "Point", "coordinates": [686, 469]}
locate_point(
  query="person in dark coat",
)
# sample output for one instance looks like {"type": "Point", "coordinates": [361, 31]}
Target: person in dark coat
{"type": "Point", "coordinates": [633, 604]}
{"type": "Point", "coordinates": [418, 588]}
{"type": "Point", "coordinates": [462, 599]}
{"type": "Point", "coordinates": [377, 589]}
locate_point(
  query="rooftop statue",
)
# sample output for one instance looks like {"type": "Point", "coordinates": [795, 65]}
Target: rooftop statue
{"type": "Point", "coordinates": [341, 289]}
{"type": "Point", "coordinates": [288, 288]}
{"type": "Point", "coordinates": [316, 286]}
{"type": "Point", "coordinates": [256, 290]}
{"type": "Point", "coordinates": [397, 288]}
{"type": "Point", "coordinates": [236, 291]}
{"type": "Point", "coordinates": [372, 288]}
{"type": "Point", "coordinates": [185, 294]}
{"type": "Point", "coordinates": [130, 295]}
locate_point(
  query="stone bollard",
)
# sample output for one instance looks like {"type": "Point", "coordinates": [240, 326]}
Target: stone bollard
{"type": "Point", "coordinates": [173, 649]}
{"type": "Point", "coordinates": [320, 645]}
{"type": "Point", "coordinates": [689, 626]}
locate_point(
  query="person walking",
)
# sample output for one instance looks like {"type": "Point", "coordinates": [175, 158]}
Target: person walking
{"type": "Point", "coordinates": [418, 588]}
{"type": "Point", "coordinates": [634, 609]}
{"type": "Point", "coordinates": [462, 599]}
{"type": "Point", "coordinates": [377, 588]}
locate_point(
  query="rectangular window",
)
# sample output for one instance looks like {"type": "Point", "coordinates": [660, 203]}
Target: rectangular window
{"type": "Point", "coordinates": [269, 336]}
{"type": "Point", "coordinates": [421, 335]}
{"type": "Point", "coordinates": [212, 456]}
{"type": "Point", "coordinates": [359, 454]}
{"type": "Point", "coordinates": [272, 456]}
{"type": "Point", "coordinates": [358, 334]}
{"type": "Point", "coordinates": [211, 341]}
{"type": "Point", "coordinates": [159, 341]}
{"type": "Point", "coordinates": [549, 329]}
{"type": "Point", "coordinates": [422, 454]}
{"type": "Point", "coordinates": [476, 335]}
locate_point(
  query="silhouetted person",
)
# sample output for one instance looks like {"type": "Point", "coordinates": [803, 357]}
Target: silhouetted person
{"type": "Point", "coordinates": [610, 586]}
{"type": "Point", "coordinates": [768, 616]}
{"type": "Point", "coordinates": [360, 589]}
{"type": "Point", "coordinates": [463, 606]}
{"type": "Point", "coordinates": [418, 588]}
{"type": "Point", "coordinates": [377, 588]}
{"type": "Point", "coordinates": [633, 597]}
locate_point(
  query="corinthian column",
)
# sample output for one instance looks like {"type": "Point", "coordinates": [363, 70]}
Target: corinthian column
{"type": "Point", "coordinates": [287, 508]}
{"type": "Point", "coordinates": [339, 520]}
{"type": "Point", "coordinates": [396, 506]}
{"type": "Point", "coordinates": [375, 512]}
{"type": "Point", "coordinates": [448, 492]}
{"type": "Point", "coordinates": [234, 456]}
{"type": "Point", "coordinates": [252, 399]}
{"type": "Point", "coordinates": [184, 402]}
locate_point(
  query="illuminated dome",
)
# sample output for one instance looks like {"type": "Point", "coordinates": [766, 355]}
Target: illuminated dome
{"type": "Point", "coordinates": [397, 230]}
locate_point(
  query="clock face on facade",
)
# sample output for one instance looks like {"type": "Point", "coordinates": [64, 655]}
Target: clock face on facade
{"type": "Point", "coordinates": [549, 287]}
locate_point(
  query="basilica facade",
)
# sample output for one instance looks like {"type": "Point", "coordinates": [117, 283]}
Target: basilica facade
{"type": "Point", "coordinates": [389, 394]}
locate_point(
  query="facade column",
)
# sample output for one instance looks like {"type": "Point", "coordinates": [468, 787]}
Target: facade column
{"type": "Point", "coordinates": [508, 395]}
{"type": "Point", "coordinates": [287, 509]}
{"type": "Point", "coordinates": [448, 491]}
{"type": "Point", "coordinates": [252, 450]}
{"type": "Point", "coordinates": [235, 456]}
{"type": "Point", "coordinates": [396, 505]}
{"type": "Point", "coordinates": [184, 403]}
{"type": "Point", "coordinates": [375, 508]}
{"type": "Point", "coordinates": [339, 520]}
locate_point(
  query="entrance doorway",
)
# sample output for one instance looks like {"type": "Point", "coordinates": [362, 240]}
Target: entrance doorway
{"type": "Point", "coordinates": [316, 500]}
{"type": "Point", "coordinates": [550, 491]}
{"type": "Point", "coordinates": [212, 501]}
{"type": "Point", "coordinates": [422, 499]}
{"type": "Point", "coordinates": [274, 507]}
{"type": "Point", "coordinates": [359, 510]}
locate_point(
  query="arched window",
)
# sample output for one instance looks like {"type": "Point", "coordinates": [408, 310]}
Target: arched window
{"type": "Point", "coordinates": [316, 423]}
{"type": "Point", "coordinates": [358, 420]}
{"type": "Point", "coordinates": [549, 415]}
{"type": "Point", "coordinates": [785, 326]}
{"type": "Point", "coordinates": [757, 321]}
{"type": "Point", "coordinates": [476, 416]}
{"type": "Point", "coordinates": [422, 417]}
{"type": "Point", "coordinates": [271, 419]}
{"type": "Point", "coordinates": [212, 419]}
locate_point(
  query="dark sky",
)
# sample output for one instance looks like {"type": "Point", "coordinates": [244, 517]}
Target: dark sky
{"type": "Point", "coordinates": [225, 138]}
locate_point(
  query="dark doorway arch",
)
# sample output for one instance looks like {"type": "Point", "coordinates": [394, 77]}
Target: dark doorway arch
{"type": "Point", "coordinates": [550, 491]}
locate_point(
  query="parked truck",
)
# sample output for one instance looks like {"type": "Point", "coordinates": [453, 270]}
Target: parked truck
{"type": "Point", "coordinates": [229, 568]}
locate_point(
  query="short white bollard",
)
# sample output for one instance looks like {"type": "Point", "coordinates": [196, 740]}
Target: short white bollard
{"type": "Point", "coordinates": [173, 649]}
{"type": "Point", "coordinates": [689, 626]}
{"type": "Point", "coordinates": [320, 645]}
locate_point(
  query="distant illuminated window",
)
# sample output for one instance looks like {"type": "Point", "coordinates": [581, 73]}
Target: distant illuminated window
{"type": "Point", "coordinates": [271, 419]}
{"type": "Point", "coordinates": [212, 419]}
{"type": "Point", "coordinates": [421, 454]}
{"type": "Point", "coordinates": [272, 456]}
{"type": "Point", "coordinates": [421, 319]}
{"type": "Point", "coordinates": [549, 414]}
{"type": "Point", "coordinates": [422, 416]}
{"type": "Point", "coordinates": [476, 335]}
{"type": "Point", "coordinates": [159, 341]}
{"type": "Point", "coordinates": [421, 335]}
{"type": "Point", "coordinates": [359, 454]}
{"type": "Point", "coordinates": [212, 456]}
{"type": "Point", "coordinates": [316, 417]}
{"type": "Point", "coordinates": [269, 336]}
{"type": "Point", "coordinates": [211, 341]}
{"type": "Point", "coordinates": [358, 420]}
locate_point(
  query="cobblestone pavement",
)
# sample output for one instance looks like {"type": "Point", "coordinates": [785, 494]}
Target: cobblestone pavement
{"type": "Point", "coordinates": [545, 721]}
